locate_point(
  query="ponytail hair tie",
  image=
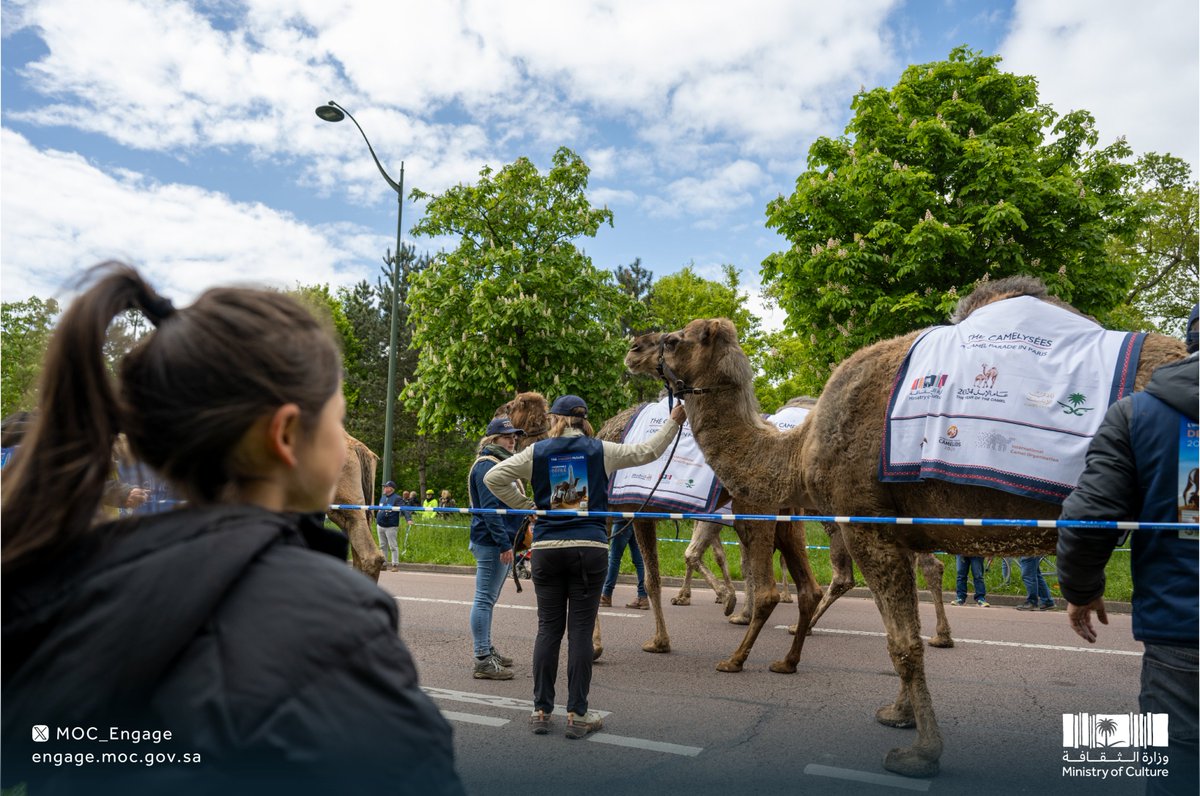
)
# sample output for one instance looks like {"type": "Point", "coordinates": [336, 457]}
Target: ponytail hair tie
{"type": "Point", "coordinates": [157, 309]}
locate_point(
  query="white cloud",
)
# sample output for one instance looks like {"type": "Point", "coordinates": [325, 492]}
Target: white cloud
{"type": "Point", "coordinates": [717, 191]}
{"type": "Point", "coordinates": [62, 214]}
{"type": "Point", "coordinates": [1137, 69]}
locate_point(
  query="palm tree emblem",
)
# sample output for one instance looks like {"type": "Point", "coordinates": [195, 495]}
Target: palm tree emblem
{"type": "Point", "coordinates": [1074, 404]}
{"type": "Point", "coordinates": [1106, 727]}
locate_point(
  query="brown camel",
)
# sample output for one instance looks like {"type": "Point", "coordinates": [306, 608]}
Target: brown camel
{"type": "Point", "coordinates": [643, 358]}
{"type": "Point", "coordinates": [356, 487]}
{"type": "Point", "coordinates": [831, 462]}
{"type": "Point", "coordinates": [706, 535]}
{"type": "Point", "coordinates": [529, 411]}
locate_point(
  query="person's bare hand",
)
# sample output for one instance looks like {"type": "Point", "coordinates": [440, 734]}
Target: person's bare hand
{"type": "Point", "coordinates": [137, 496]}
{"type": "Point", "coordinates": [679, 414]}
{"type": "Point", "coordinates": [1080, 617]}
{"type": "Point", "coordinates": [506, 557]}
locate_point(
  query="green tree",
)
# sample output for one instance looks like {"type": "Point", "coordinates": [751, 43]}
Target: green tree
{"type": "Point", "coordinates": [1163, 252]}
{"type": "Point", "coordinates": [328, 309]}
{"type": "Point", "coordinates": [515, 305]}
{"type": "Point", "coordinates": [955, 175]}
{"type": "Point", "coordinates": [27, 326]}
{"type": "Point", "coordinates": [635, 281]}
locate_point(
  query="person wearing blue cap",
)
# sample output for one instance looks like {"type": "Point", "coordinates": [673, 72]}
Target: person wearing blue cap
{"type": "Point", "coordinates": [492, 538]}
{"type": "Point", "coordinates": [387, 523]}
{"type": "Point", "coordinates": [1144, 464]}
{"type": "Point", "coordinates": [570, 470]}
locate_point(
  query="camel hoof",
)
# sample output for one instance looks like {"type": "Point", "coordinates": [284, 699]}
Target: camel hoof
{"type": "Point", "coordinates": [888, 716]}
{"type": "Point", "coordinates": [787, 598]}
{"type": "Point", "coordinates": [907, 763]}
{"type": "Point", "coordinates": [783, 667]}
{"type": "Point", "coordinates": [730, 603]}
{"type": "Point", "coordinates": [792, 630]}
{"type": "Point", "coordinates": [681, 601]}
{"type": "Point", "coordinates": [656, 646]}
{"type": "Point", "coordinates": [729, 666]}
{"type": "Point", "coordinates": [740, 619]}
{"type": "Point", "coordinates": [597, 652]}
{"type": "Point", "coordinates": [942, 642]}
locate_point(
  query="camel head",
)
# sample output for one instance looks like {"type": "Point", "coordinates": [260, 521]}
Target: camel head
{"type": "Point", "coordinates": [706, 354]}
{"type": "Point", "coordinates": [642, 357]}
{"type": "Point", "coordinates": [529, 412]}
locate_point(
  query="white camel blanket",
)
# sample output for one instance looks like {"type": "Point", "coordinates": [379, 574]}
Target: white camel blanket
{"type": "Point", "coordinates": [1008, 398]}
{"type": "Point", "coordinates": [689, 484]}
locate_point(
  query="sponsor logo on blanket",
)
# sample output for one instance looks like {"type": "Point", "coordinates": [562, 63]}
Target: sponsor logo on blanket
{"type": "Point", "coordinates": [993, 441]}
{"type": "Point", "coordinates": [928, 387]}
{"type": "Point", "coordinates": [1075, 405]}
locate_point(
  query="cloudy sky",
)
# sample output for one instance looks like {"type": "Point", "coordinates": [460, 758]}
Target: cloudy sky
{"type": "Point", "coordinates": [181, 135]}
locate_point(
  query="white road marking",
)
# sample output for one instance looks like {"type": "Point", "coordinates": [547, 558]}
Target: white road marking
{"type": "Point", "coordinates": [887, 780]}
{"type": "Point", "coordinates": [642, 743]}
{"type": "Point", "coordinates": [1056, 647]}
{"type": "Point", "coordinates": [471, 718]}
{"type": "Point", "coordinates": [508, 703]}
{"type": "Point", "coordinates": [506, 605]}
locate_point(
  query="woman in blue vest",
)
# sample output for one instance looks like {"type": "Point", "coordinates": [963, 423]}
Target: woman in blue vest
{"type": "Point", "coordinates": [569, 470]}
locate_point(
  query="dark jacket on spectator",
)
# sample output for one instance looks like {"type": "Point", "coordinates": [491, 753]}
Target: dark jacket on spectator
{"type": "Point", "coordinates": [240, 631]}
{"type": "Point", "coordinates": [1133, 473]}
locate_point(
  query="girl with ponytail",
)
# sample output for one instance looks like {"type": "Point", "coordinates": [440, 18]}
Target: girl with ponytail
{"type": "Point", "coordinates": [232, 623]}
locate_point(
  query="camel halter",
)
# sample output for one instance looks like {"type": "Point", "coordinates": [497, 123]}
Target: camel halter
{"type": "Point", "coordinates": [675, 385]}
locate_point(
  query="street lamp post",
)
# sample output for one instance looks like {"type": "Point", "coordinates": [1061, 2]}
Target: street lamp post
{"type": "Point", "coordinates": [332, 112]}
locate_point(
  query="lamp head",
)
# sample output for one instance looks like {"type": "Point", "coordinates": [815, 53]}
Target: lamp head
{"type": "Point", "coordinates": [330, 113]}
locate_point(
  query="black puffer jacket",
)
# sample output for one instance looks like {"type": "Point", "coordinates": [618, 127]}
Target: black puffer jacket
{"type": "Point", "coordinates": [273, 661]}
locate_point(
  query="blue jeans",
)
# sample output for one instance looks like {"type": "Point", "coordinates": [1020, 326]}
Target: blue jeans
{"type": "Point", "coordinates": [622, 537]}
{"type": "Point", "coordinates": [1036, 590]}
{"type": "Point", "coordinates": [975, 565]}
{"type": "Point", "coordinates": [1169, 685]}
{"type": "Point", "coordinates": [490, 575]}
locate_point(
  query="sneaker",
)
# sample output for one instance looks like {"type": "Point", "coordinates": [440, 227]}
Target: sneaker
{"type": "Point", "coordinates": [490, 669]}
{"type": "Point", "coordinates": [504, 659]}
{"type": "Point", "coordinates": [579, 726]}
{"type": "Point", "coordinates": [1027, 606]}
{"type": "Point", "coordinates": [606, 601]}
{"type": "Point", "coordinates": [958, 602]}
{"type": "Point", "coordinates": [539, 722]}
{"type": "Point", "coordinates": [983, 603]}
{"type": "Point", "coordinates": [641, 603]}
{"type": "Point", "coordinates": [1046, 607]}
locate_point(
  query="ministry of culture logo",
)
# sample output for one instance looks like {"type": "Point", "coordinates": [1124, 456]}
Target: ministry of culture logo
{"type": "Point", "coordinates": [1075, 404]}
{"type": "Point", "coordinates": [1114, 730]}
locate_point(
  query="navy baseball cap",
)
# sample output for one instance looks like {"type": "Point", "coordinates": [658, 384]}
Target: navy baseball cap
{"type": "Point", "coordinates": [502, 425]}
{"type": "Point", "coordinates": [570, 406]}
{"type": "Point", "coordinates": [392, 484]}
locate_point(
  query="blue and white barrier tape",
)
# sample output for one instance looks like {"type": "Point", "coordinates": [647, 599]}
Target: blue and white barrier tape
{"type": "Point", "coordinates": [662, 515]}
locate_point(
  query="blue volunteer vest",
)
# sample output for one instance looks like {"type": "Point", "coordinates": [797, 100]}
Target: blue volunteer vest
{"type": "Point", "coordinates": [1166, 566]}
{"type": "Point", "coordinates": [568, 473]}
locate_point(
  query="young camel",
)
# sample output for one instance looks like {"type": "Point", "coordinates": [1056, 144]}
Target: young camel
{"type": "Point", "coordinates": [528, 411]}
{"type": "Point", "coordinates": [831, 461]}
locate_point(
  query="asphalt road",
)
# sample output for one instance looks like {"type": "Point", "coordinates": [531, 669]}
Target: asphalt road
{"type": "Point", "coordinates": [677, 726]}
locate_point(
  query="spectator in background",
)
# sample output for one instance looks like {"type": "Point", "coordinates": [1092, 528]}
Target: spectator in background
{"type": "Point", "coordinates": [622, 537]}
{"type": "Point", "coordinates": [1137, 468]}
{"type": "Point", "coordinates": [1037, 591]}
{"type": "Point", "coordinates": [225, 621]}
{"type": "Point", "coordinates": [974, 566]}
{"type": "Point", "coordinates": [492, 538]}
{"type": "Point", "coordinates": [446, 501]}
{"type": "Point", "coordinates": [388, 525]}
{"type": "Point", "coordinates": [431, 502]}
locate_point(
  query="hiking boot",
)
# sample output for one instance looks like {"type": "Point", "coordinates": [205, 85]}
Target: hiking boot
{"type": "Point", "coordinates": [504, 659]}
{"type": "Point", "coordinates": [1027, 606]}
{"type": "Point", "coordinates": [579, 726]}
{"type": "Point", "coordinates": [539, 722]}
{"type": "Point", "coordinates": [641, 603]}
{"type": "Point", "coordinates": [490, 669]}
{"type": "Point", "coordinates": [606, 601]}
{"type": "Point", "coordinates": [958, 602]}
{"type": "Point", "coordinates": [983, 603]}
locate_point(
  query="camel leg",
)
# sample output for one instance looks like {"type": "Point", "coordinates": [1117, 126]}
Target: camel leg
{"type": "Point", "coordinates": [728, 594]}
{"type": "Point", "coordinates": [791, 541]}
{"type": "Point", "coordinates": [843, 573]}
{"type": "Point", "coordinates": [365, 553]}
{"type": "Point", "coordinates": [597, 642]}
{"type": "Point", "coordinates": [785, 596]}
{"type": "Point", "coordinates": [932, 567]}
{"type": "Point", "coordinates": [692, 558]}
{"type": "Point", "coordinates": [647, 540]}
{"type": "Point", "coordinates": [889, 574]}
{"type": "Point", "coordinates": [744, 617]}
{"type": "Point", "coordinates": [760, 543]}
{"type": "Point", "coordinates": [708, 535]}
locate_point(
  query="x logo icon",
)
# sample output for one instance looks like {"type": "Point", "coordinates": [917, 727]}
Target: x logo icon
{"type": "Point", "coordinates": [41, 733]}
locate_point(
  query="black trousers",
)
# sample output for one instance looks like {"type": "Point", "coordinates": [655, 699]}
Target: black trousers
{"type": "Point", "coordinates": [567, 582]}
